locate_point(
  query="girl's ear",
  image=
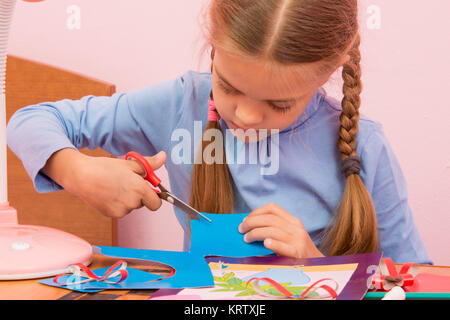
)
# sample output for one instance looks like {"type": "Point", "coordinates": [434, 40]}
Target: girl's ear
{"type": "Point", "coordinates": [345, 59]}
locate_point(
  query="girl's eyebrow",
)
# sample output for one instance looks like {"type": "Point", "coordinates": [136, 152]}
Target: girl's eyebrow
{"type": "Point", "coordinates": [232, 87]}
{"type": "Point", "coordinates": [226, 82]}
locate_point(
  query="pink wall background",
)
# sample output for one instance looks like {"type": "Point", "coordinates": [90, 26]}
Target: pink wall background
{"type": "Point", "coordinates": [406, 77]}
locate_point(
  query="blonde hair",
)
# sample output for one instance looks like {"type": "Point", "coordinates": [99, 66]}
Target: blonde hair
{"type": "Point", "coordinates": [294, 32]}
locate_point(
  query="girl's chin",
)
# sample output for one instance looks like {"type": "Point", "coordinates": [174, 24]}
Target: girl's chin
{"type": "Point", "coordinates": [250, 135]}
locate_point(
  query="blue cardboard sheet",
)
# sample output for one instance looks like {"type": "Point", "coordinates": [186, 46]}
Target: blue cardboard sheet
{"type": "Point", "coordinates": [219, 238]}
{"type": "Point", "coordinates": [134, 275]}
{"type": "Point", "coordinates": [222, 237]}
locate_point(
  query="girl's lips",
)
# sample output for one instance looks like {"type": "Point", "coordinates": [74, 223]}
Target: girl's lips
{"type": "Point", "coordinates": [249, 134]}
{"type": "Point", "coordinates": [235, 126]}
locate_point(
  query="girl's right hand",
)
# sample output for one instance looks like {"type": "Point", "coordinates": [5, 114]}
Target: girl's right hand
{"type": "Point", "coordinates": [113, 187]}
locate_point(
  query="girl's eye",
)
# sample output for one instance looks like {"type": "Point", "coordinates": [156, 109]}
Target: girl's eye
{"type": "Point", "coordinates": [225, 88]}
{"type": "Point", "coordinates": [283, 109]}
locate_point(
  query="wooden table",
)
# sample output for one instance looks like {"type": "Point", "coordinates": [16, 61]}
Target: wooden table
{"type": "Point", "coordinates": [33, 290]}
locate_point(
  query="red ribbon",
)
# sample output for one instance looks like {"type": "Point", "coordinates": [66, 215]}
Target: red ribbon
{"type": "Point", "coordinates": [387, 276]}
{"type": "Point", "coordinates": [80, 270]}
{"type": "Point", "coordinates": [305, 294]}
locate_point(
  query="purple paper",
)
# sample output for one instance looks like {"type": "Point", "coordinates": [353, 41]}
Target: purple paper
{"type": "Point", "coordinates": [355, 288]}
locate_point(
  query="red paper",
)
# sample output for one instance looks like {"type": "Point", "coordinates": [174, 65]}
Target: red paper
{"type": "Point", "coordinates": [432, 283]}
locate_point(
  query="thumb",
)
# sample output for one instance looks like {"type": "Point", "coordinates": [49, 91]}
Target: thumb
{"type": "Point", "coordinates": [157, 160]}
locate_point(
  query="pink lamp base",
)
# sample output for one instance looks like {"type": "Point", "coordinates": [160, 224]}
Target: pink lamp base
{"type": "Point", "coordinates": [7, 214]}
{"type": "Point", "coordinates": [29, 252]}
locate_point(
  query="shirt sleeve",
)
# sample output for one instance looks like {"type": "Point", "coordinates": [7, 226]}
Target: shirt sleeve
{"type": "Point", "coordinates": [398, 236]}
{"type": "Point", "coordinates": [141, 120]}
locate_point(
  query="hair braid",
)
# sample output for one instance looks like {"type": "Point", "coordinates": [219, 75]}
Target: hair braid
{"type": "Point", "coordinates": [354, 229]}
{"type": "Point", "coordinates": [351, 73]}
{"type": "Point", "coordinates": [211, 189]}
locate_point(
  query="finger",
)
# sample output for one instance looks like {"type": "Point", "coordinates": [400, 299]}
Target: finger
{"type": "Point", "coordinates": [260, 234]}
{"type": "Point", "coordinates": [150, 198]}
{"type": "Point", "coordinates": [157, 161]}
{"type": "Point", "coordinates": [273, 208]}
{"type": "Point", "coordinates": [260, 221]}
{"type": "Point", "coordinates": [281, 248]}
{"type": "Point", "coordinates": [141, 205]}
{"type": "Point", "coordinates": [135, 166]}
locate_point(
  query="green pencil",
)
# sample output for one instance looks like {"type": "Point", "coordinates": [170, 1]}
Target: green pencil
{"type": "Point", "coordinates": [411, 295]}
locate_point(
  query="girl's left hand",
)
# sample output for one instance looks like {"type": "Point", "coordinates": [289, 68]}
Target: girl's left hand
{"type": "Point", "coordinates": [281, 232]}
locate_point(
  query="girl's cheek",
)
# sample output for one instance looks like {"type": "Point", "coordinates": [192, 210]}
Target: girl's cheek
{"type": "Point", "coordinates": [224, 106]}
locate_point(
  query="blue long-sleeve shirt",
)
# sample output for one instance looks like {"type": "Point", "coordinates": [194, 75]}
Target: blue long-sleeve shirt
{"type": "Point", "coordinates": [306, 180]}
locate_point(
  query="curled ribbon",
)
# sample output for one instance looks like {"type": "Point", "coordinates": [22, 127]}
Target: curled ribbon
{"type": "Point", "coordinates": [79, 271]}
{"type": "Point", "coordinates": [387, 276]}
{"type": "Point", "coordinates": [307, 294]}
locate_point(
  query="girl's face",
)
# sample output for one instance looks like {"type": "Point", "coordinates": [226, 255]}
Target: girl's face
{"type": "Point", "coordinates": [250, 94]}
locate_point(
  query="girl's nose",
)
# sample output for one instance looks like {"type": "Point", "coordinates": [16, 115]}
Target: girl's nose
{"type": "Point", "coordinates": [249, 114]}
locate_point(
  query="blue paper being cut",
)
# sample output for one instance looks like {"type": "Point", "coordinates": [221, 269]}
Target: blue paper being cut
{"type": "Point", "coordinates": [222, 237]}
{"type": "Point", "coordinates": [219, 238]}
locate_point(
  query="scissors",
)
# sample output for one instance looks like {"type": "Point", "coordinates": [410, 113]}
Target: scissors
{"type": "Point", "coordinates": [163, 193]}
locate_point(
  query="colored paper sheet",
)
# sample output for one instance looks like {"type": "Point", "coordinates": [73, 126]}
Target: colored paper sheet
{"type": "Point", "coordinates": [191, 270]}
{"type": "Point", "coordinates": [351, 272]}
{"type": "Point", "coordinates": [134, 275]}
{"type": "Point", "coordinates": [222, 237]}
{"type": "Point", "coordinates": [219, 238]}
{"type": "Point", "coordinates": [430, 283]}
{"type": "Point", "coordinates": [294, 276]}
{"type": "Point", "coordinates": [426, 286]}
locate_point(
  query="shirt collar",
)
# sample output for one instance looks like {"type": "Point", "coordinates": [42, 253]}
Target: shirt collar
{"type": "Point", "coordinates": [311, 108]}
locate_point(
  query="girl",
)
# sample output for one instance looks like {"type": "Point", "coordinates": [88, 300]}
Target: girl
{"type": "Point", "coordinates": [338, 188]}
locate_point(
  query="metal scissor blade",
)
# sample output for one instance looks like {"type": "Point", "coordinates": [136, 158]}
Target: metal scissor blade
{"type": "Point", "coordinates": [184, 206]}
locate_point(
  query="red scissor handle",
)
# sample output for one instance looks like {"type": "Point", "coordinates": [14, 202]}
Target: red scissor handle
{"type": "Point", "coordinates": [150, 176]}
